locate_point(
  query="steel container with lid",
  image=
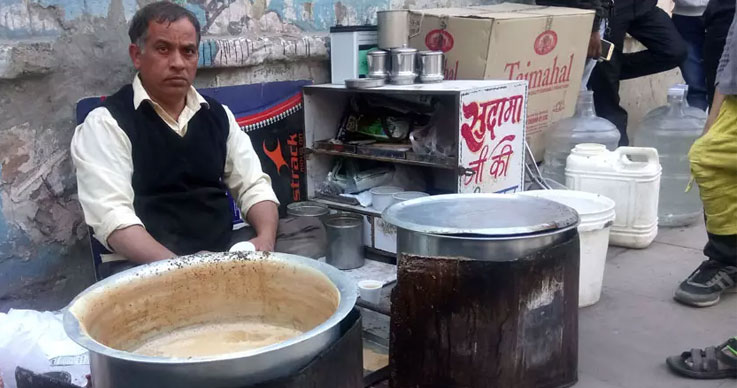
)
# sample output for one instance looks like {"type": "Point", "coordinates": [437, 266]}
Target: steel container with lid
{"type": "Point", "coordinates": [487, 292]}
{"type": "Point", "coordinates": [345, 241]}
{"type": "Point", "coordinates": [403, 66]}
{"type": "Point", "coordinates": [430, 66]}
{"type": "Point", "coordinates": [378, 61]}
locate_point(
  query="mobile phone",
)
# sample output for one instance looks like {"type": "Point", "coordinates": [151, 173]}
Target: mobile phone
{"type": "Point", "coordinates": [607, 49]}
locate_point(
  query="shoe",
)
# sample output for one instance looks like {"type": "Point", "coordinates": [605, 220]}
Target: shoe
{"type": "Point", "coordinates": [707, 283]}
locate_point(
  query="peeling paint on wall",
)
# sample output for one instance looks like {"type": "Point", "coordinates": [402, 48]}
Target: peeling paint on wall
{"type": "Point", "coordinates": [37, 182]}
{"type": "Point", "coordinates": [239, 52]}
{"type": "Point", "coordinates": [33, 18]}
{"type": "Point", "coordinates": [320, 15]}
{"type": "Point", "coordinates": [20, 19]}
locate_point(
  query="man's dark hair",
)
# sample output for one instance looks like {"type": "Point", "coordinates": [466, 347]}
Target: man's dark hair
{"type": "Point", "coordinates": [159, 12]}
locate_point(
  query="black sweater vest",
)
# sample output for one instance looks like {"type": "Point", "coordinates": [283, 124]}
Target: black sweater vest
{"type": "Point", "coordinates": [179, 192]}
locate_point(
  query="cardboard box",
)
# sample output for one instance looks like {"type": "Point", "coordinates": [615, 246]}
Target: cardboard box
{"type": "Point", "coordinates": [544, 45]}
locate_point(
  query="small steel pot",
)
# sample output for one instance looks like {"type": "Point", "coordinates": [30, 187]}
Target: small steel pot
{"type": "Point", "coordinates": [378, 64]}
{"type": "Point", "coordinates": [345, 241]}
{"type": "Point", "coordinates": [431, 66]}
{"type": "Point", "coordinates": [403, 66]}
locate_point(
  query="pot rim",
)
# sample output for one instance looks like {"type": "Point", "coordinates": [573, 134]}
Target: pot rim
{"type": "Point", "coordinates": [565, 218]}
{"type": "Point", "coordinates": [345, 285]}
{"type": "Point", "coordinates": [490, 238]}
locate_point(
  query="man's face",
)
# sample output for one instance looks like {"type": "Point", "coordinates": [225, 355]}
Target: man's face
{"type": "Point", "coordinates": [168, 61]}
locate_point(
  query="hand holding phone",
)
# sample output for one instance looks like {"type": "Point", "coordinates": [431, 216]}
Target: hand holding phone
{"type": "Point", "coordinates": [607, 50]}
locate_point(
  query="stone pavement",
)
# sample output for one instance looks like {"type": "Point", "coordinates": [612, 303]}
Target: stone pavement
{"type": "Point", "coordinates": [625, 338]}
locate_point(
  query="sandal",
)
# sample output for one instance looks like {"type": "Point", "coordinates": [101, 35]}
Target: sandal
{"type": "Point", "coordinates": [718, 362]}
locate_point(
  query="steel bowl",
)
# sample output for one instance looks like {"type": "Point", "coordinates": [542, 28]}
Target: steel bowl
{"type": "Point", "coordinates": [217, 285]}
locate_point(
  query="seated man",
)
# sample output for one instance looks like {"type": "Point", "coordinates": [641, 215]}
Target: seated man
{"type": "Point", "coordinates": [155, 161]}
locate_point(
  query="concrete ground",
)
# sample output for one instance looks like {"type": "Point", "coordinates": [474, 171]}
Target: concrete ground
{"type": "Point", "coordinates": [626, 336]}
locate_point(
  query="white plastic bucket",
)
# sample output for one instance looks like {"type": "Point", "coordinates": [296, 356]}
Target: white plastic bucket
{"type": "Point", "coordinates": [408, 195]}
{"type": "Point", "coordinates": [597, 215]}
{"type": "Point", "coordinates": [382, 196]}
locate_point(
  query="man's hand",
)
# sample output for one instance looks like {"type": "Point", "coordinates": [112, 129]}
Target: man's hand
{"type": "Point", "coordinates": [263, 244]}
{"type": "Point", "coordinates": [594, 45]}
{"type": "Point", "coordinates": [136, 244]}
{"type": "Point", "coordinates": [264, 217]}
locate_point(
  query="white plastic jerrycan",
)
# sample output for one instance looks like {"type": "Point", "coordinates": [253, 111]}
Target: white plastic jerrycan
{"type": "Point", "coordinates": [631, 177]}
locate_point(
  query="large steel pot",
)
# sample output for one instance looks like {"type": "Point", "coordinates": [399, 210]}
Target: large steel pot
{"type": "Point", "coordinates": [113, 315]}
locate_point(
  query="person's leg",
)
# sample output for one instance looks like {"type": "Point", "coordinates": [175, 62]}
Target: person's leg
{"type": "Point", "coordinates": [722, 248]}
{"type": "Point", "coordinates": [714, 276]}
{"type": "Point", "coordinates": [715, 38]}
{"type": "Point", "coordinates": [713, 159]}
{"type": "Point", "coordinates": [605, 77]}
{"type": "Point", "coordinates": [665, 47]}
{"type": "Point", "coordinates": [692, 31]}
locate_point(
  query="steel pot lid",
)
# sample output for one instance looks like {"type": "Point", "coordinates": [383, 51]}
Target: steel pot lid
{"type": "Point", "coordinates": [430, 53]}
{"type": "Point", "coordinates": [490, 215]}
{"type": "Point", "coordinates": [404, 50]}
{"type": "Point", "coordinates": [378, 53]}
{"type": "Point", "coordinates": [307, 209]}
{"type": "Point", "coordinates": [343, 221]}
{"type": "Point", "coordinates": [364, 83]}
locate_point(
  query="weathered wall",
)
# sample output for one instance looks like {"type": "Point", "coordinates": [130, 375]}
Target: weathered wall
{"type": "Point", "coordinates": [54, 52]}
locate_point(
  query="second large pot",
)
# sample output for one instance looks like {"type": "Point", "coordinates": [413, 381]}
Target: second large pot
{"type": "Point", "coordinates": [489, 227]}
{"type": "Point", "coordinates": [486, 293]}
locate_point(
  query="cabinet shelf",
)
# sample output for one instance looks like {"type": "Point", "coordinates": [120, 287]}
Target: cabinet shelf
{"type": "Point", "coordinates": [390, 156]}
{"type": "Point", "coordinates": [366, 211]}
